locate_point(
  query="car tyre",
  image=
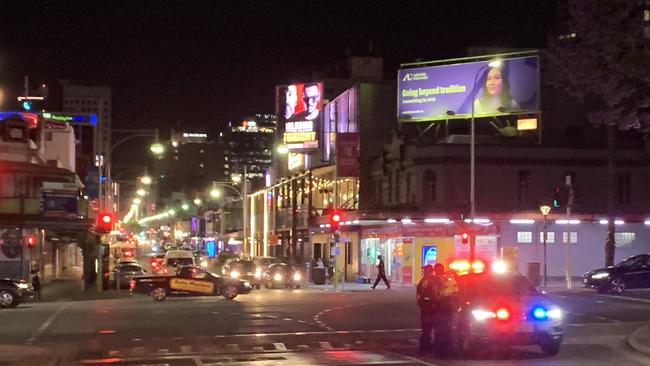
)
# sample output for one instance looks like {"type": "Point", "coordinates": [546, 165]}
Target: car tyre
{"type": "Point", "coordinates": [618, 286]}
{"type": "Point", "coordinates": [159, 294]}
{"type": "Point", "coordinates": [229, 292]}
{"type": "Point", "coordinates": [550, 347]}
{"type": "Point", "coordinates": [8, 299]}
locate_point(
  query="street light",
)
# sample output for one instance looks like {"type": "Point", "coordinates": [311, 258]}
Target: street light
{"type": "Point", "coordinates": [157, 148]}
{"type": "Point", "coordinates": [545, 211]}
{"type": "Point", "coordinates": [146, 180]}
{"type": "Point", "coordinates": [171, 212]}
{"type": "Point", "coordinates": [197, 201]}
{"type": "Point", "coordinates": [137, 201]}
{"type": "Point", "coordinates": [282, 149]}
{"type": "Point", "coordinates": [215, 193]}
{"type": "Point", "coordinates": [236, 178]}
{"type": "Point", "coordinates": [185, 207]}
{"type": "Point", "coordinates": [141, 192]}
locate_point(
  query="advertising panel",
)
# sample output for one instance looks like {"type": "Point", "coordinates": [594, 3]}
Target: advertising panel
{"type": "Point", "coordinates": [59, 199]}
{"type": "Point", "coordinates": [508, 86]}
{"type": "Point", "coordinates": [299, 108]}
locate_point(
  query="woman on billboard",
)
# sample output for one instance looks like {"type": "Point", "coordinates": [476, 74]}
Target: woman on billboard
{"type": "Point", "coordinates": [496, 93]}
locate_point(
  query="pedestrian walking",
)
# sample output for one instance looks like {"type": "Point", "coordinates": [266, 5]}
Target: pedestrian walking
{"type": "Point", "coordinates": [381, 275]}
{"type": "Point", "coordinates": [36, 284]}
{"type": "Point", "coordinates": [427, 296]}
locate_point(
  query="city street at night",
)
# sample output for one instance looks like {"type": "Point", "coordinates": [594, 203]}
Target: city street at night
{"type": "Point", "coordinates": [296, 327]}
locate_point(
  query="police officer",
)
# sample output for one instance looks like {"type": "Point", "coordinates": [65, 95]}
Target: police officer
{"type": "Point", "coordinates": [427, 295]}
{"type": "Point", "coordinates": [448, 302]}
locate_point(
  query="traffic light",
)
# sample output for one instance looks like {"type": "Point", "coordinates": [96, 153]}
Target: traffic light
{"type": "Point", "coordinates": [464, 238]}
{"type": "Point", "coordinates": [30, 240]}
{"type": "Point", "coordinates": [104, 223]}
{"type": "Point", "coordinates": [335, 218]}
{"type": "Point", "coordinates": [556, 197]}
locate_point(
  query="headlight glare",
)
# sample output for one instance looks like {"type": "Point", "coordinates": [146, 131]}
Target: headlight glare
{"type": "Point", "coordinates": [234, 274]}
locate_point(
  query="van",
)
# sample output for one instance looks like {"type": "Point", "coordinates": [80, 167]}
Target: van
{"type": "Point", "coordinates": [177, 258]}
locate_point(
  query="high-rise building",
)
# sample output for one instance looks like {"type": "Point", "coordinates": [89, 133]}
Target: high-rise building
{"type": "Point", "coordinates": [191, 162]}
{"type": "Point", "coordinates": [249, 144]}
{"type": "Point", "coordinates": [95, 99]}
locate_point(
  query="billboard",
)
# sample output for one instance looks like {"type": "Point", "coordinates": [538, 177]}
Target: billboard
{"type": "Point", "coordinates": [299, 110]}
{"type": "Point", "coordinates": [508, 86]}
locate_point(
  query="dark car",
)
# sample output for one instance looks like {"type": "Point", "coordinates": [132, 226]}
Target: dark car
{"type": "Point", "coordinates": [281, 275]}
{"type": "Point", "coordinates": [504, 310]}
{"type": "Point", "coordinates": [189, 281]}
{"type": "Point", "coordinates": [243, 269]}
{"type": "Point", "coordinates": [13, 292]}
{"type": "Point", "coordinates": [634, 272]}
{"type": "Point", "coordinates": [122, 274]}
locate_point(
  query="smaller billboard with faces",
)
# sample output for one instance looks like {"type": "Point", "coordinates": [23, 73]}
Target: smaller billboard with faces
{"type": "Point", "coordinates": [299, 108]}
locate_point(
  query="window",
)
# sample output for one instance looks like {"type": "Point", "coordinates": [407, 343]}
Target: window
{"type": "Point", "coordinates": [523, 178]}
{"type": "Point", "coordinates": [624, 187]}
{"type": "Point", "coordinates": [572, 235]}
{"type": "Point", "coordinates": [429, 186]}
{"type": "Point", "coordinates": [524, 237]}
{"type": "Point", "coordinates": [550, 237]}
{"type": "Point", "coordinates": [624, 238]}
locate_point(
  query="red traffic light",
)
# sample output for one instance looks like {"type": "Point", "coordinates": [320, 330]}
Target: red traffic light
{"type": "Point", "coordinates": [464, 237]}
{"type": "Point", "coordinates": [335, 219]}
{"type": "Point", "coordinates": [30, 241]}
{"type": "Point", "coordinates": [104, 222]}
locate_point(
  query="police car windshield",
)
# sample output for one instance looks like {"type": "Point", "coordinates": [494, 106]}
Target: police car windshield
{"type": "Point", "coordinates": [500, 286]}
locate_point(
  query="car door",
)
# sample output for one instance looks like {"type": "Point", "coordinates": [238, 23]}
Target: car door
{"type": "Point", "coordinates": [643, 275]}
{"type": "Point", "coordinates": [637, 272]}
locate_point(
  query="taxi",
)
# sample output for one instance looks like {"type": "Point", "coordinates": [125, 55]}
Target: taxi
{"type": "Point", "coordinates": [502, 308]}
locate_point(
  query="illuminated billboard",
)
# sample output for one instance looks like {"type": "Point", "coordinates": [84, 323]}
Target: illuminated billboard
{"type": "Point", "coordinates": [490, 88]}
{"type": "Point", "coordinates": [299, 108]}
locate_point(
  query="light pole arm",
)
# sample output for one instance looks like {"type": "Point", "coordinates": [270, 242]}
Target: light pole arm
{"type": "Point", "coordinates": [229, 186]}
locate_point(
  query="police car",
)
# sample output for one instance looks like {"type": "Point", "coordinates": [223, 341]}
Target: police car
{"type": "Point", "coordinates": [502, 308]}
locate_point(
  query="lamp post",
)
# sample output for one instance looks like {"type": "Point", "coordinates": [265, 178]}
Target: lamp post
{"type": "Point", "coordinates": [472, 145]}
{"type": "Point", "coordinates": [242, 195]}
{"type": "Point", "coordinates": [545, 210]}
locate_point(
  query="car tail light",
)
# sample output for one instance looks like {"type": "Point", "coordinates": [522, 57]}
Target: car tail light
{"type": "Point", "coordinates": [503, 314]}
{"type": "Point", "coordinates": [132, 284]}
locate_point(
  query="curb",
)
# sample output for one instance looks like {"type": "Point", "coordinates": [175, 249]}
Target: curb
{"type": "Point", "coordinates": [634, 342]}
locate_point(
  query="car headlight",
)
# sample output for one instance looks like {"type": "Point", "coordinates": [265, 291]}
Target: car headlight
{"type": "Point", "coordinates": [258, 273]}
{"type": "Point", "coordinates": [554, 313]}
{"type": "Point", "coordinates": [277, 277]}
{"type": "Point", "coordinates": [23, 286]}
{"type": "Point", "coordinates": [297, 276]}
{"type": "Point", "coordinates": [482, 315]}
{"type": "Point", "coordinates": [600, 275]}
{"type": "Point", "coordinates": [234, 274]}
{"type": "Point", "coordinates": [247, 284]}
{"type": "Point", "coordinates": [204, 264]}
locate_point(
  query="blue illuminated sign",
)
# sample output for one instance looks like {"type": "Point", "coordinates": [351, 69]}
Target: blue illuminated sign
{"type": "Point", "coordinates": [429, 254]}
{"type": "Point", "coordinates": [211, 248]}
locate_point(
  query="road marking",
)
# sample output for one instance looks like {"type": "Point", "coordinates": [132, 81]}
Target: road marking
{"type": "Point", "coordinates": [626, 298]}
{"type": "Point", "coordinates": [303, 347]}
{"type": "Point", "coordinates": [47, 324]}
{"type": "Point", "coordinates": [186, 348]}
{"type": "Point", "coordinates": [417, 360]}
{"type": "Point", "coordinates": [139, 350]}
{"type": "Point", "coordinates": [600, 302]}
{"type": "Point", "coordinates": [163, 350]}
{"type": "Point", "coordinates": [280, 346]}
{"type": "Point", "coordinates": [325, 345]}
{"type": "Point", "coordinates": [215, 312]}
{"type": "Point", "coordinates": [288, 319]}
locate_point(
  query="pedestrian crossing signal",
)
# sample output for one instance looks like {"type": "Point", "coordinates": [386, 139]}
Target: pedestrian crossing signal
{"type": "Point", "coordinates": [335, 218]}
{"type": "Point", "coordinates": [30, 241]}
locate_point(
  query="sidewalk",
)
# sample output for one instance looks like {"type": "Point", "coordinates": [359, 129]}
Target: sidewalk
{"type": "Point", "coordinates": [69, 288]}
{"type": "Point", "coordinates": [640, 340]}
{"type": "Point", "coordinates": [358, 287]}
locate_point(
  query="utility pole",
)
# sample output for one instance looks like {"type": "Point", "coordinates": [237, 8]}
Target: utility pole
{"type": "Point", "coordinates": [567, 252]}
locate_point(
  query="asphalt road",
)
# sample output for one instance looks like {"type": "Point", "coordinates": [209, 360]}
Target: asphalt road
{"type": "Point", "coordinates": [297, 327]}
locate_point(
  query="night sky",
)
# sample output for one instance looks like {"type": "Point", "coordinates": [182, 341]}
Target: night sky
{"type": "Point", "coordinates": [201, 63]}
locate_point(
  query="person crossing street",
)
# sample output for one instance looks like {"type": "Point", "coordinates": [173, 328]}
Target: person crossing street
{"type": "Point", "coordinates": [381, 273]}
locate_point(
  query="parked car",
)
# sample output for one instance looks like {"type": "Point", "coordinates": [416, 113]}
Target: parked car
{"type": "Point", "coordinates": [281, 275]}
{"type": "Point", "coordinates": [189, 281]}
{"type": "Point", "coordinates": [14, 292]}
{"type": "Point", "coordinates": [243, 269]}
{"type": "Point", "coordinates": [122, 274]}
{"type": "Point", "coordinates": [633, 272]}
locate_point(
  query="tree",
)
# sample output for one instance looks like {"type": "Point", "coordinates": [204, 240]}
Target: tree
{"type": "Point", "coordinates": [600, 56]}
